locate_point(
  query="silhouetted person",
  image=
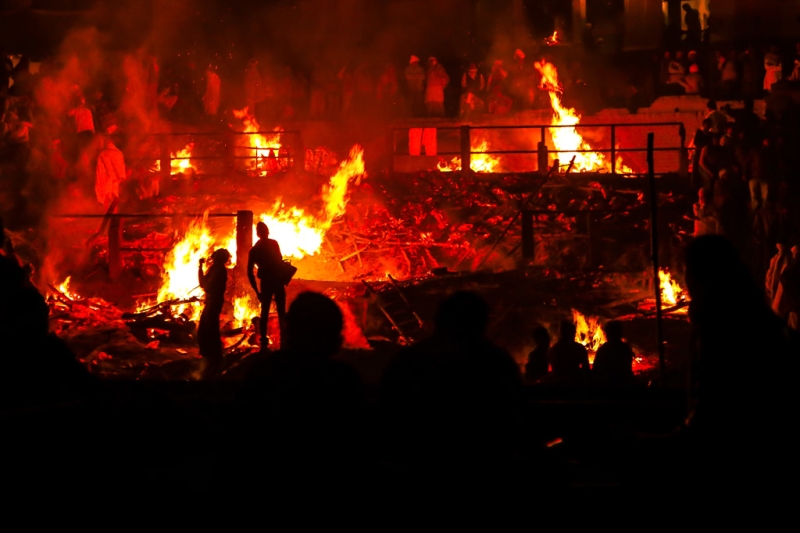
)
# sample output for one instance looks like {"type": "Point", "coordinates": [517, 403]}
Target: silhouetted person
{"type": "Point", "coordinates": [539, 358]}
{"type": "Point", "coordinates": [693, 27]}
{"type": "Point", "coordinates": [213, 282]}
{"type": "Point", "coordinates": [266, 255]}
{"type": "Point", "coordinates": [451, 401]}
{"type": "Point", "coordinates": [744, 374]}
{"type": "Point", "coordinates": [306, 407]}
{"type": "Point", "coordinates": [613, 363]}
{"type": "Point", "coordinates": [569, 359]}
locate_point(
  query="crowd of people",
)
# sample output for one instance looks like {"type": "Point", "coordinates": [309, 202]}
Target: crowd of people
{"type": "Point", "coordinates": [729, 74]}
{"type": "Point", "coordinates": [744, 172]}
{"type": "Point", "coordinates": [449, 409]}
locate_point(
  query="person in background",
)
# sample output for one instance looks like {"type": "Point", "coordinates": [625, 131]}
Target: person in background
{"type": "Point", "coordinates": [539, 359]}
{"type": "Point", "coordinates": [211, 98]}
{"type": "Point", "coordinates": [436, 81]}
{"type": "Point", "coordinates": [729, 75]}
{"type": "Point", "coordinates": [705, 222]}
{"type": "Point", "coordinates": [472, 81]}
{"type": "Point", "coordinates": [693, 27]}
{"type": "Point", "coordinates": [692, 83]}
{"type": "Point", "coordinates": [773, 68]}
{"type": "Point", "coordinates": [213, 283]}
{"type": "Point", "coordinates": [613, 364]}
{"type": "Point", "coordinates": [110, 173]}
{"type": "Point", "coordinates": [569, 360]}
{"type": "Point", "coordinates": [415, 84]}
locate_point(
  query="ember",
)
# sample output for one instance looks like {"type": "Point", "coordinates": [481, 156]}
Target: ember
{"type": "Point", "coordinates": [552, 39]}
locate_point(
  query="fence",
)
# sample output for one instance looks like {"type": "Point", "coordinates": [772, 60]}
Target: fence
{"type": "Point", "coordinates": [543, 153]}
{"type": "Point", "coordinates": [226, 148]}
{"type": "Point", "coordinates": [112, 223]}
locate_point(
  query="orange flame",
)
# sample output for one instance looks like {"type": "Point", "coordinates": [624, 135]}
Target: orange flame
{"type": "Point", "coordinates": [552, 39]}
{"type": "Point", "coordinates": [299, 235]}
{"type": "Point", "coordinates": [589, 333]}
{"type": "Point", "coordinates": [184, 162]}
{"type": "Point", "coordinates": [671, 292]}
{"type": "Point", "coordinates": [479, 162]}
{"type": "Point", "coordinates": [567, 140]}
{"type": "Point", "coordinates": [265, 150]}
{"type": "Point", "coordinates": [63, 288]}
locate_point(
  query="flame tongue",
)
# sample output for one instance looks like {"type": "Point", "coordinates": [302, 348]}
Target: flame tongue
{"type": "Point", "coordinates": [264, 149]}
{"type": "Point", "coordinates": [567, 140]}
{"type": "Point", "coordinates": [479, 162]}
{"type": "Point", "coordinates": [671, 292]}
{"type": "Point", "coordinates": [589, 333]}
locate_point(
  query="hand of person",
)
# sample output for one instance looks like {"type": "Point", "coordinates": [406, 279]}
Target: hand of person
{"type": "Point", "coordinates": [202, 261]}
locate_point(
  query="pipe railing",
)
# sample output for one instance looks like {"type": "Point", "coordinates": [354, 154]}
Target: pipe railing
{"type": "Point", "coordinates": [543, 152]}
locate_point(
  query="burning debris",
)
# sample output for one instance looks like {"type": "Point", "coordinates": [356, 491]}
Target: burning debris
{"type": "Point", "coordinates": [265, 150]}
{"type": "Point", "coordinates": [479, 161]}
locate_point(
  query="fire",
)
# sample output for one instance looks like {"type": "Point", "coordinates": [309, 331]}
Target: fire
{"type": "Point", "coordinates": [244, 309]}
{"type": "Point", "coordinates": [63, 288]}
{"type": "Point", "coordinates": [479, 162]}
{"type": "Point", "coordinates": [552, 40]}
{"type": "Point", "coordinates": [566, 139]}
{"type": "Point", "coordinates": [180, 267]}
{"type": "Point", "coordinates": [671, 292]}
{"type": "Point", "coordinates": [298, 233]}
{"type": "Point", "coordinates": [181, 161]}
{"type": "Point", "coordinates": [264, 149]}
{"type": "Point", "coordinates": [589, 333]}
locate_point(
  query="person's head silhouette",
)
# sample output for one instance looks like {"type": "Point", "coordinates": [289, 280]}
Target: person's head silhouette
{"type": "Point", "coordinates": [314, 326]}
{"type": "Point", "coordinates": [613, 330]}
{"type": "Point", "coordinates": [463, 314]}
{"type": "Point", "coordinates": [567, 331]}
{"type": "Point", "coordinates": [262, 231]}
{"type": "Point", "coordinates": [541, 336]}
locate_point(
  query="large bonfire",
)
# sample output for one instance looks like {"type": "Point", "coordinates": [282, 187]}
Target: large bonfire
{"type": "Point", "coordinates": [300, 234]}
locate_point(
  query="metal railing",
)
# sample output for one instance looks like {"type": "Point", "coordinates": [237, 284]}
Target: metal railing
{"type": "Point", "coordinates": [290, 154]}
{"type": "Point", "coordinates": [112, 224]}
{"type": "Point", "coordinates": [542, 151]}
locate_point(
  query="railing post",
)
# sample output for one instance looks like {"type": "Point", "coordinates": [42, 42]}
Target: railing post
{"type": "Point", "coordinates": [542, 157]}
{"type": "Point", "coordinates": [528, 244]}
{"type": "Point", "coordinates": [683, 163]}
{"type": "Point", "coordinates": [164, 158]}
{"type": "Point", "coordinates": [114, 246]}
{"type": "Point", "coordinates": [299, 163]}
{"type": "Point", "coordinates": [613, 149]}
{"type": "Point", "coordinates": [466, 152]}
{"type": "Point", "coordinates": [244, 239]}
{"type": "Point", "coordinates": [230, 151]}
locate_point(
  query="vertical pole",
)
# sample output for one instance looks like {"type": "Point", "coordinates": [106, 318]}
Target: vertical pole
{"type": "Point", "coordinates": [651, 178]}
{"type": "Point", "coordinates": [230, 151]}
{"type": "Point", "coordinates": [299, 162]}
{"type": "Point", "coordinates": [244, 239]}
{"type": "Point", "coordinates": [528, 245]}
{"type": "Point", "coordinates": [613, 149]}
{"type": "Point", "coordinates": [466, 152]}
{"type": "Point", "coordinates": [164, 158]}
{"type": "Point", "coordinates": [543, 156]}
{"type": "Point", "coordinates": [114, 245]}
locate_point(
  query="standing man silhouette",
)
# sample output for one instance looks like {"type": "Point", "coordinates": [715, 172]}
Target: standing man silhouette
{"type": "Point", "coordinates": [266, 255]}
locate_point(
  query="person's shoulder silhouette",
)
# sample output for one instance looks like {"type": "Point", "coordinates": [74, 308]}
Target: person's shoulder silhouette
{"type": "Point", "coordinates": [614, 359]}
{"type": "Point", "coordinates": [569, 359]}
